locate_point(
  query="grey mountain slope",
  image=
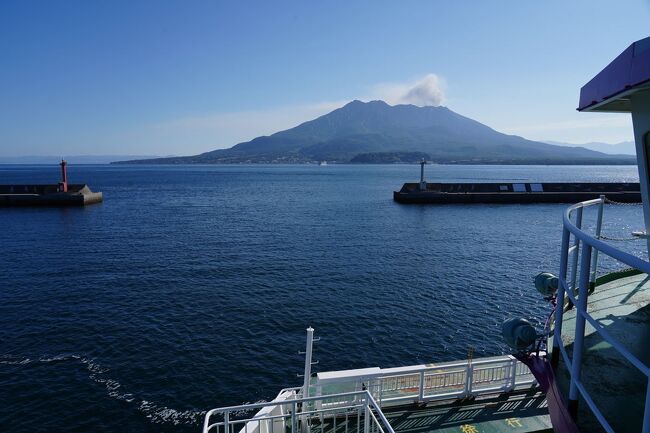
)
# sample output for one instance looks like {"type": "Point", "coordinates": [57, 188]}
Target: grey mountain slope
{"type": "Point", "coordinates": [375, 127]}
{"type": "Point", "coordinates": [622, 148]}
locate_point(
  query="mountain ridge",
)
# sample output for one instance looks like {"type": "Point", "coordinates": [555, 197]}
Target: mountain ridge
{"type": "Point", "coordinates": [621, 148]}
{"type": "Point", "coordinates": [395, 132]}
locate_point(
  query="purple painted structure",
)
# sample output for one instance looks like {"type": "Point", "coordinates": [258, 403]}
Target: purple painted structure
{"type": "Point", "coordinates": [557, 408]}
{"type": "Point", "coordinates": [626, 74]}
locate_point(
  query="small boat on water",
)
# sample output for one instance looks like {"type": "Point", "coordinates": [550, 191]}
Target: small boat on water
{"type": "Point", "coordinates": [61, 194]}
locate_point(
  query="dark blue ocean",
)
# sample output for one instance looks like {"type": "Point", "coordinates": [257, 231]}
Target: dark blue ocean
{"type": "Point", "coordinates": [190, 287]}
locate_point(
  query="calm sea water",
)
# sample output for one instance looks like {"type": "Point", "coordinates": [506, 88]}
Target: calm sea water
{"type": "Point", "coordinates": [190, 287]}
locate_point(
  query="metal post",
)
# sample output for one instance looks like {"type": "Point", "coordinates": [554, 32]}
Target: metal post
{"type": "Point", "coordinates": [646, 416]}
{"type": "Point", "coordinates": [469, 377]}
{"type": "Point", "coordinates": [422, 171]}
{"type": "Point", "coordinates": [421, 395]}
{"type": "Point", "coordinates": [423, 184]}
{"type": "Point", "coordinates": [576, 251]}
{"type": "Point", "coordinates": [380, 394]}
{"type": "Point", "coordinates": [307, 377]}
{"type": "Point", "coordinates": [559, 307]}
{"type": "Point", "coordinates": [366, 418]}
{"type": "Point", "coordinates": [578, 341]}
{"type": "Point", "coordinates": [64, 176]}
{"type": "Point", "coordinates": [308, 349]}
{"type": "Point", "coordinates": [514, 372]}
{"type": "Point", "coordinates": [226, 421]}
{"type": "Point", "coordinates": [594, 255]}
{"type": "Point", "coordinates": [470, 371]}
{"type": "Point", "coordinates": [294, 427]}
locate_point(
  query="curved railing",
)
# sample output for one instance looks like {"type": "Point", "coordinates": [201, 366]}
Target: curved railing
{"type": "Point", "coordinates": [587, 247]}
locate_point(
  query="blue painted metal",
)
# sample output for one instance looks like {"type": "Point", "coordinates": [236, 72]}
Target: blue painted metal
{"type": "Point", "coordinates": [578, 341]}
{"type": "Point", "coordinates": [559, 307]}
{"type": "Point", "coordinates": [576, 251]}
{"type": "Point", "coordinates": [626, 72]}
{"type": "Point", "coordinates": [589, 242]}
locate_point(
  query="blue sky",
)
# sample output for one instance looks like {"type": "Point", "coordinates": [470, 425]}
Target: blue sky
{"type": "Point", "coordinates": [163, 77]}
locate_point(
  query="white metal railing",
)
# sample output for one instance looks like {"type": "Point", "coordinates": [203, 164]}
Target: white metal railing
{"type": "Point", "coordinates": [421, 383]}
{"type": "Point", "coordinates": [352, 412]}
{"type": "Point", "coordinates": [587, 247]}
{"type": "Point", "coordinates": [356, 404]}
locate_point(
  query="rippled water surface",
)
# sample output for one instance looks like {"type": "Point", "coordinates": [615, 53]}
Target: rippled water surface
{"type": "Point", "coordinates": [190, 287]}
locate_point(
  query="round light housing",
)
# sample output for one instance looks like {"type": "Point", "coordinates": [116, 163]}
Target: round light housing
{"type": "Point", "coordinates": [518, 333]}
{"type": "Point", "coordinates": [546, 283]}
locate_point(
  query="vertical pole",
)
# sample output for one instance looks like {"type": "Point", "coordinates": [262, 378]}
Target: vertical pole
{"type": "Point", "coordinates": [559, 300]}
{"type": "Point", "coordinates": [578, 341]}
{"type": "Point", "coordinates": [576, 251]}
{"type": "Point", "coordinates": [226, 422]}
{"type": "Point", "coordinates": [641, 122]}
{"type": "Point", "coordinates": [514, 372]}
{"type": "Point", "coordinates": [421, 395]}
{"type": "Point", "coordinates": [64, 176]}
{"type": "Point", "coordinates": [423, 184]}
{"type": "Point", "coordinates": [294, 427]}
{"type": "Point", "coordinates": [646, 416]}
{"type": "Point", "coordinates": [381, 391]}
{"type": "Point", "coordinates": [594, 254]}
{"type": "Point", "coordinates": [308, 349]}
{"type": "Point", "coordinates": [469, 375]}
{"type": "Point", "coordinates": [305, 386]}
{"type": "Point", "coordinates": [422, 171]}
{"type": "Point", "coordinates": [366, 417]}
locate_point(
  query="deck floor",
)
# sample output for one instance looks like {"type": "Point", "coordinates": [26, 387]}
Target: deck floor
{"type": "Point", "coordinates": [521, 411]}
{"type": "Point", "coordinates": [622, 306]}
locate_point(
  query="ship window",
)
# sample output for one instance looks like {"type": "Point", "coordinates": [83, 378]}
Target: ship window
{"type": "Point", "coordinates": [536, 187]}
{"type": "Point", "coordinates": [519, 187]}
{"type": "Point", "coordinates": [503, 187]}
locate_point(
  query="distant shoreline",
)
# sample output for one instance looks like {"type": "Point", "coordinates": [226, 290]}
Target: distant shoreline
{"type": "Point", "coordinates": [329, 163]}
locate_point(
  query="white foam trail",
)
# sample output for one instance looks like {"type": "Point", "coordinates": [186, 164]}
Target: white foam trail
{"type": "Point", "coordinates": [14, 360]}
{"type": "Point", "coordinates": [156, 413]}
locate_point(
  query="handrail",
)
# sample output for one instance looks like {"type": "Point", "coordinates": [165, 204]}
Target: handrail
{"type": "Point", "coordinates": [276, 403]}
{"type": "Point", "coordinates": [610, 339]}
{"type": "Point", "coordinates": [361, 400]}
{"type": "Point", "coordinates": [587, 261]}
{"type": "Point", "coordinates": [374, 404]}
{"type": "Point", "coordinates": [621, 256]}
{"type": "Point", "coordinates": [421, 383]}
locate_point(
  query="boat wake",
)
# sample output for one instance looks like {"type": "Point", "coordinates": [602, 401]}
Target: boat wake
{"type": "Point", "coordinates": [155, 412]}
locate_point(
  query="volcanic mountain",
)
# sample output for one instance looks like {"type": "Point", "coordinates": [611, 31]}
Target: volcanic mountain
{"type": "Point", "coordinates": [375, 132]}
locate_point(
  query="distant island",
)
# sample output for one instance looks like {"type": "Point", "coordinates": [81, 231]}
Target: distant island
{"type": "Point", "coordinates": [377, 133]}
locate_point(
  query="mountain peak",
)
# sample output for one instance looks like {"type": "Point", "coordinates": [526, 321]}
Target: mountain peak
{"type": "Point", "coordinates": [376, 131]}
{"type": "Point", "coordinates": [359, 103]}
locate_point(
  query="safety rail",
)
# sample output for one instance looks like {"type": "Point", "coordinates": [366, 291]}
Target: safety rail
{"type": "Point", "coordinates": [587, 247]}
{"type": "Point", "coordinates": [430, 382]}
{"type": "Point", "coordinates": [352, 412]}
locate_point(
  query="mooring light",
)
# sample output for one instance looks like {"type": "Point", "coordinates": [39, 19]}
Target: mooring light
{"type": "Point", "coordinates": [546, 283]}
{"type": "Point", "coordinates": [518, 333]}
